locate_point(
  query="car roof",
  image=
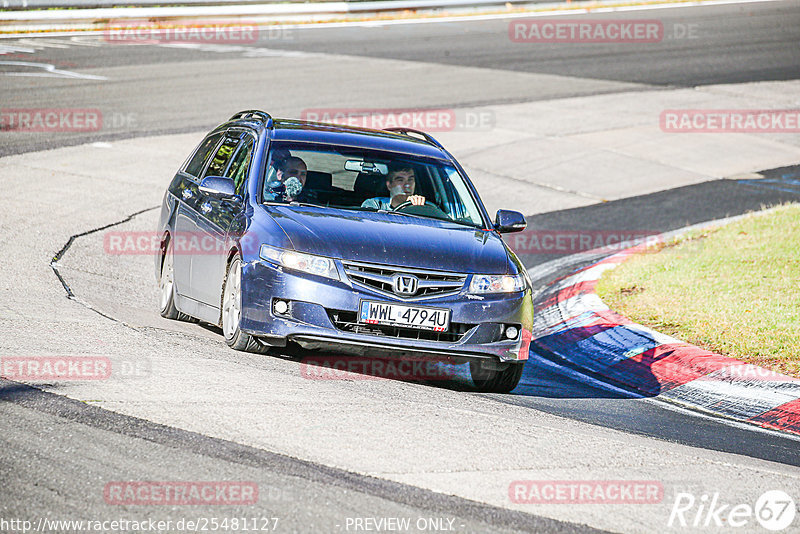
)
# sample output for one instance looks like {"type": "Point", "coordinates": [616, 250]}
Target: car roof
{"type": "Point", "coordinates": [339, 135]}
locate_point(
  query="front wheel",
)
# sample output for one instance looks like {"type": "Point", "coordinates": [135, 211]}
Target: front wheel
{"type": "Point", "coordinates": [493, 380]}
{"type": "Point", "coordinates": [232, 311]}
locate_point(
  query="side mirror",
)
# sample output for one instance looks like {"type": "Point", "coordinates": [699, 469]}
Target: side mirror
{"type": "Point", "coordinates": [219, 187]}
{"type": "Point", "coordinates": [509, 221]}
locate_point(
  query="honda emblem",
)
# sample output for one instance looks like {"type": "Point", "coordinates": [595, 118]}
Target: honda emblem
{"type": "Point", "coordinates": [405, 284]}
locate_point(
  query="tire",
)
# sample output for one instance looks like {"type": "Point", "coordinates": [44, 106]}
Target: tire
{"type": "Point", "coordinates": [231, 311]}
{"type": "Point", "coordinates": [166, 287]}
{"type": "Point", "coordinates": [494, 381]}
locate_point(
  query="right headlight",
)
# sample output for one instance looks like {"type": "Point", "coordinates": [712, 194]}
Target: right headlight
{"type": "Point", "coordinates": [300, 261]}
{"type": "Point", "coordinates": [496, 283]}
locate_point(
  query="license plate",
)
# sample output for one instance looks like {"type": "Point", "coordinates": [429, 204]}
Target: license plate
{"type": "Point", "coordinates": [423, 318]}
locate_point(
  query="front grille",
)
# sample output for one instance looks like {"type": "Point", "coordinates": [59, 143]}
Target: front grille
{"type": "Point", "coordinates": [379, 278]}
{"type": "Point", "coordinates": [346, 321]}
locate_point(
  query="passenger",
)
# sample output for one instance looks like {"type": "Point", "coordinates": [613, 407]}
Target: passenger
{"type": "Point", "coordinates": [400, 181]}
{"type": "Point", "coordinates": [291, 171]}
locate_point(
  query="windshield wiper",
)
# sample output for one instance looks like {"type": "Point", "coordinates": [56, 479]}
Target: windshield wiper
{"type": "Point", "coordinates": [447, 220]}
{"type": "Point", "coordinates": [294, 203]}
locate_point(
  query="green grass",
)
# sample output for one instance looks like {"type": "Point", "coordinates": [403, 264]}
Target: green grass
{"type": "Point", "coordinates": [734, 290]}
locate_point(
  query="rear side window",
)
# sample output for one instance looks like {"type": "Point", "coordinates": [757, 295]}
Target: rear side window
{"type": "Point", "coordinates": [195, 166]}
{"type": "Point", "coordinates": [222, 157]}
{"type": "Point", "coordinates": [238, 168]}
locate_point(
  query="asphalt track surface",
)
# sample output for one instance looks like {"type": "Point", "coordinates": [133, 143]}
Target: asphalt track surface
{"type": "Point", "coordinates": [171, 90]}
{"type": "Point", "coordinates": [314, 498]}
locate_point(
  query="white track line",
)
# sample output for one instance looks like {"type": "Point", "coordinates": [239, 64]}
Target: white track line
{"type": "Point", "coordinates": [48, 71]}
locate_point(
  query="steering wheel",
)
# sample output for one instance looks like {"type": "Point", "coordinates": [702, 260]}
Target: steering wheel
{"type": "Point", "coordinates": [428, 209]}
{"type": "Point", "coordinates": [408, 203]}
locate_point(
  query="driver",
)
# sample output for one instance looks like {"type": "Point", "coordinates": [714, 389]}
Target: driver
{"type": "Point", "coordinates": [400, 181]}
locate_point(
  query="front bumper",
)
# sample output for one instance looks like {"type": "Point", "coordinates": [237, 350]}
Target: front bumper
{"type": "Point", "coordinates": [317, 303]}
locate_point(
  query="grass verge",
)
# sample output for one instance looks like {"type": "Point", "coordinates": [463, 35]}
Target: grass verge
{"type": "Point", "coordinates": [734, 290]}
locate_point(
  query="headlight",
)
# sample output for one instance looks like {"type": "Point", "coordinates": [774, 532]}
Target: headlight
{"type": "Point", "coordinates": [496, 283]}
{"type": "Point", "coordinates": [299, 261]}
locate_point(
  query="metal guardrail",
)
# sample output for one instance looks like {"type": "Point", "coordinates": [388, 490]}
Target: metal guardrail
{"type": "Point", "coordinates": [301, 6]}
{"type": "Point", "coordinates": [254, 12]}
{"type": "Point", "coordinates": [21, 21]}
{"type": "Point", "coordinates": [92, 4]}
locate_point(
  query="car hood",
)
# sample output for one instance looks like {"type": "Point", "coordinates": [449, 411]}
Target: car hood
{"type": "Point", "coordinates": [391, 239]}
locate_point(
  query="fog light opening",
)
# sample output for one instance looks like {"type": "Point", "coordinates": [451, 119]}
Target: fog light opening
{"type": "Point", "coordinates": [512, 332]}
{"type": "Point", "coordinates": [280, 307]}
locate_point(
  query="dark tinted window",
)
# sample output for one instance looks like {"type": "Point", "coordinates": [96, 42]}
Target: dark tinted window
{"type": "Point", "coordinates": [195, 166]}
{"type": "Point", "coordinates": [361, 179]}
{"type": "Point", "coordinates": [222, 157]}
{"type": "Point", "coordinates": [238, 168]}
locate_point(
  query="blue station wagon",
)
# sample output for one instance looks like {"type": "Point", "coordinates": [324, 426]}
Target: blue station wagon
{"type": "Point", "coordinates": [354, 241]}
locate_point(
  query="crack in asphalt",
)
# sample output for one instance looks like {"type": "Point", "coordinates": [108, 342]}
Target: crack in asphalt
{"type": "Point", "coordinates": [60, 254]}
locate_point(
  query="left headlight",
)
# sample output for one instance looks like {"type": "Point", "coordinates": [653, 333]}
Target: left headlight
{"type": "Point", "coordinates": [496, 283]}
{"type": "Point", "coordinates": [299, 261]}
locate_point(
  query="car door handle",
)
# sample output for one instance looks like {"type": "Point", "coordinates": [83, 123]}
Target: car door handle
{"type": "Point", "coordinates": [205, 207]}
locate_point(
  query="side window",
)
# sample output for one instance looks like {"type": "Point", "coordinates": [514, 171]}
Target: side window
{"type": "Point", "coordinates": [221, 158]}
{"type": "Point", "coordinates": [238, 168]}
{"type": "Point", "coordinates": [195, 166]}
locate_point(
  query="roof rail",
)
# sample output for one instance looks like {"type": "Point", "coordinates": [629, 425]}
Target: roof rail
{"type": "Point", "coordinates": [253, 114]}
{"type": "Point", "coordinates": [429, 138]}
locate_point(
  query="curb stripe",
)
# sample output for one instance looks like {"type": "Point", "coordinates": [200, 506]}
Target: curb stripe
{"type": "Point", "coordinates": [574, 324]}
{"type": "Point", "coordinates": [740, 399]}
{"type": "Point", "coordinates": [567, 293]}
{"type": "Point", "coordinates": [785, 417]}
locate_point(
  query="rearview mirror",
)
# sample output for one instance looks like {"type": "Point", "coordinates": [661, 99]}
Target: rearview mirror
{"type": "Point", "coordinates": [366, 167]}
{"type": "Point", "coordinates": [219, 187]}
{"type": "Point", "coordinates": [508, 221]}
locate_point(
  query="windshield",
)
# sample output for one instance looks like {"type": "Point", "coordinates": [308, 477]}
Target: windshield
{"type": "Point", "coordinates": [365, 180]}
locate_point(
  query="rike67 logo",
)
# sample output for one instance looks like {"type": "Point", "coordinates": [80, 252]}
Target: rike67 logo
{"type": "Point", "coordinates": [774, 510]}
